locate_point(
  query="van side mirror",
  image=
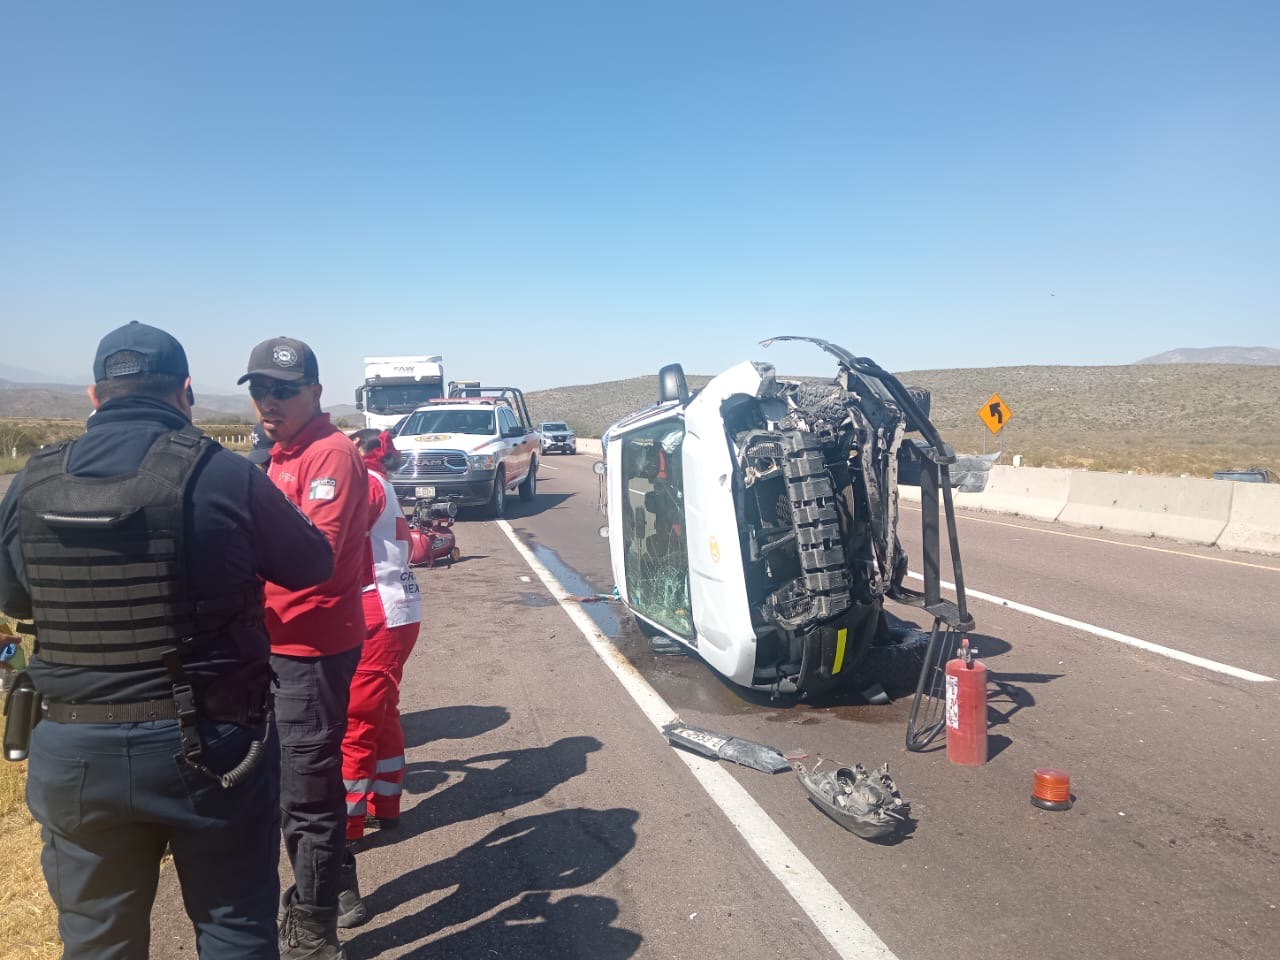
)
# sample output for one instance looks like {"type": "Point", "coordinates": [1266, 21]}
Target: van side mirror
{"type": "Point", "coordinates": [672, 385]}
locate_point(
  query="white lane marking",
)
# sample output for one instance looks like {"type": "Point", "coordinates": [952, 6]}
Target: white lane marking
{"type": "Point", "coordinates": [848, 933]}
{"type": "Point", "coordinates": [1116, 543]}
{"type": "Point", "coordinates": [1106, 634]}
{"type": "Point", "coordinates": [543, 465]}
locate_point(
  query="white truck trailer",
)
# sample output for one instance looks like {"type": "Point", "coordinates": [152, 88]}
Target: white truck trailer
{"type": "Point", "coordinates": [396, 386]}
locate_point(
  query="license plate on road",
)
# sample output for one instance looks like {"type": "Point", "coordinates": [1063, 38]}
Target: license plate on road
{"type": "Point", "coordinates": [424, 491]}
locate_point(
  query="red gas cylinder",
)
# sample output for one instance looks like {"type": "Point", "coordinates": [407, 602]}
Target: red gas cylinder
{"type": "Point", "coordinates": [966, 708]}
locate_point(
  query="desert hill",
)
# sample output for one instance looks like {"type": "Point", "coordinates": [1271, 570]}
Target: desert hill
{"type": "Point", "coordinates": [1159, 418]}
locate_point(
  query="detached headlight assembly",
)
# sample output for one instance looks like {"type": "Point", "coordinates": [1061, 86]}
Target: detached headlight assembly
{"type": "Point", "coordinates": [482, 461]}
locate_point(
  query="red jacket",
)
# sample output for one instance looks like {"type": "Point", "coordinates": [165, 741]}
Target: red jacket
{"type": "Point", "coordinates": [321, 471]}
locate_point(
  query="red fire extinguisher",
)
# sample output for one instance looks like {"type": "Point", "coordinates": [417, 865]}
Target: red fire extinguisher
{"type": "Point", "coordinates": [966, 708]}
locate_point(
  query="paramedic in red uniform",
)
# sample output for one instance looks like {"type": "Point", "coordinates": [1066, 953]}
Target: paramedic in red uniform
{"type": "Point", "coordinates": [373, 750]}
{"type": "Point", "coordinates": [316, 634]}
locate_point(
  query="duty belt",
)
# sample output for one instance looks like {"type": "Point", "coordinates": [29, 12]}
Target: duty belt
{"type": "Point", "coordinates": [110, 712]}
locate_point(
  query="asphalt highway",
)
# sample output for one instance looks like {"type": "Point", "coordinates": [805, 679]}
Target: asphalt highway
{"type": "Point", "coordinates": [547, 817]}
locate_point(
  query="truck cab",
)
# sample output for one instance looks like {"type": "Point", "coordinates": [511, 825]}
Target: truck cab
{"type": "Point", "coordinates": [396, 386]}
{"type": "Point", "coordinates": [472, 447]}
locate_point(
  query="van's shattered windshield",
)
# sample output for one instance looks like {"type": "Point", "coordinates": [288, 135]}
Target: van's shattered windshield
{"type": "Point", "coordinates": [478, 422]}
{"type": "Point", "coordinates": [655, 554]}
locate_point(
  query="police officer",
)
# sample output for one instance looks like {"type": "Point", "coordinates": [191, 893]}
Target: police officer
{"type": "Point", "coordinates": [260, 447]}
{"type": "Point", "coordinates": [139, 549]}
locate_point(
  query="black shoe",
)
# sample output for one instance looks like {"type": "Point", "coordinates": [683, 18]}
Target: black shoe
{"type": "Point", "coordinates": [382, 823]}
{"type": "Point", "coordinates": [351, 909]}
{"type": "Point", "coordinates": [308, 936]}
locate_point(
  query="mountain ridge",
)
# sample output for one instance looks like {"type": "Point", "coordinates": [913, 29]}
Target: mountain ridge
{"type": "Point", "coordinates": [1264, 356]}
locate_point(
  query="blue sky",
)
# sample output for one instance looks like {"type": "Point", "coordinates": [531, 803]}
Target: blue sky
{"type": "Point", "coordinates": [555, 193]}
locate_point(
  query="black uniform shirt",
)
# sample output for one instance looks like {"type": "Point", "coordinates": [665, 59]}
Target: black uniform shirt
{"type": "Point", "coordinates": [239, 529]}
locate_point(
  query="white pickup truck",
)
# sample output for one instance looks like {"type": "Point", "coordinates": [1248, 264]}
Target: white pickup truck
{"type": "Point", "coordinates": [471, 447]}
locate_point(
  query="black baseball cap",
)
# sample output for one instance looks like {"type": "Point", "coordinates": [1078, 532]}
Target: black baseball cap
{"type": "Point", "coordinates": [283, 358]}
{"type": "Point", "coordinates": [137, 348]}
{"type": "Point", "coordinates": [262, 445]}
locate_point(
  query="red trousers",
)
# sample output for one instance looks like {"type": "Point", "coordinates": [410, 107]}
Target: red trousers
{"type": "Point", "coordinates": [373, 749]}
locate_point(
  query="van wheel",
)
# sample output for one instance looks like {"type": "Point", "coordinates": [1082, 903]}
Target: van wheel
{"type": "Point", "coordinates": [498, 498]}
{"type": "Point", "coordinates": [530, 484]}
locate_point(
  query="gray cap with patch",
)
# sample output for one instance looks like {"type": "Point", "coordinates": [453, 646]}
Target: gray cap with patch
{"type": "Point", "coordinates": [283, 358]}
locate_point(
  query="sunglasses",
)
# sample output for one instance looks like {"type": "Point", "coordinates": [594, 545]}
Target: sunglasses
{"type": "Point", "coordinates": [277, 389]}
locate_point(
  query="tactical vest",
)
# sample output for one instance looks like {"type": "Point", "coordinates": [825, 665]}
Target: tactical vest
{"type": "Point", "coordinates": [106, 558]}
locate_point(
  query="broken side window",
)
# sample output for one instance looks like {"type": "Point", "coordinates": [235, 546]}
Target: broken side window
{"type": "Point", "coordinates": [654, 540]}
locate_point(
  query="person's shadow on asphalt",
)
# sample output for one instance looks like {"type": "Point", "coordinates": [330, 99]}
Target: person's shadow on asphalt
{"type": "Point", "coordinates": [461, 722]}
{"type": "Point", "coordinates": [524, 858]}
{"type": "Point", "coordinates": [573, 927]}
{"type": "Point", "coordinates": [491, 782]}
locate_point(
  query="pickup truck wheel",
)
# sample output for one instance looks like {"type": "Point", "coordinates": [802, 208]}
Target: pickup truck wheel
{"type": "Point", "coordinates": [498, 498]}
{"type": "Point", "coordinates": [574, 450]}
{"type": "Point", "coordinates": [529, 486]}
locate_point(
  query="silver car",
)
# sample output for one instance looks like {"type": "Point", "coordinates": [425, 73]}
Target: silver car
{"type": "Point", "coordinates": [556, 436]}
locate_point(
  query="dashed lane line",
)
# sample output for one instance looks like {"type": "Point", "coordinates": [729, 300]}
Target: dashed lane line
{"type": "Point", "coordinates": [1223, 668]}
{"type": "Point", "coordinates": [1114, 543]}
{"type": "Point", "coordinates": [849, 935]}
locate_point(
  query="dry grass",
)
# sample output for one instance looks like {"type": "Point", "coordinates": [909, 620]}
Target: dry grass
{"type": "Point", "coordinates": [28, 921]}
{"type": "Point", "coordinates": [21, 436]}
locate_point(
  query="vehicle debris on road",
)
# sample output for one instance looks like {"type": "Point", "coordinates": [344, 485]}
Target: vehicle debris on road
{"type": "Point", "coordinates": [867, 804]}
{"type": "Point", "coordinates": [722, 746]}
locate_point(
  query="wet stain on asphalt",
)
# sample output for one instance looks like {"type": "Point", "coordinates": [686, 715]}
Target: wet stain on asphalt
{"type": "Point", "coordinates": [530, 599]}
{"type": "Point", "coordinates": [685, 681]}
{"type": "Point", "coordinates": [865, 713]}
{"type": "Point", "coordinates": [601, 612]}
{"type": "Point", "coordinates": [800, 721]}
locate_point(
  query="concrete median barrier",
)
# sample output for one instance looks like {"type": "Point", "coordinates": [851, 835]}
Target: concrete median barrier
{"type": "Point", "coordinates": [589, 445]}
{"type": "Point", "coordinates": [1039, 494]}
{"type": "Point", "coordinates": [1230, 515]}
{"type": "Point", "coordinates": [1254, 522]}
{"type": "Point", "coordinates": [1187, 509]}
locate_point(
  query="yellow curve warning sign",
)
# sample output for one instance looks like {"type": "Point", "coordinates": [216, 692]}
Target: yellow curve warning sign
{"type": "Point", "coordinates": [994, 413]}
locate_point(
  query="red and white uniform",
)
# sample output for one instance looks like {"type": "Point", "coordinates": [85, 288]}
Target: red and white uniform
{"type": "Point", "coordinates": [321, 471]}
{"type": "Point", "coordinates": [373, 749]}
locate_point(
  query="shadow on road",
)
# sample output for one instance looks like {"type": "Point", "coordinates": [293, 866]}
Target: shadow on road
{"type": "Point", "coordinates": [451, 723]}
{"type": "Point", "coordinates": [541, 502]}
{"type": "Point", "coordinates": [517, 508]}
{"type": "Point", "coordinates": [523, 859]}
{"type": "Point", "coordinates": [491, 783]}
{"type": "Point", "coordinates": [576, 926]}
